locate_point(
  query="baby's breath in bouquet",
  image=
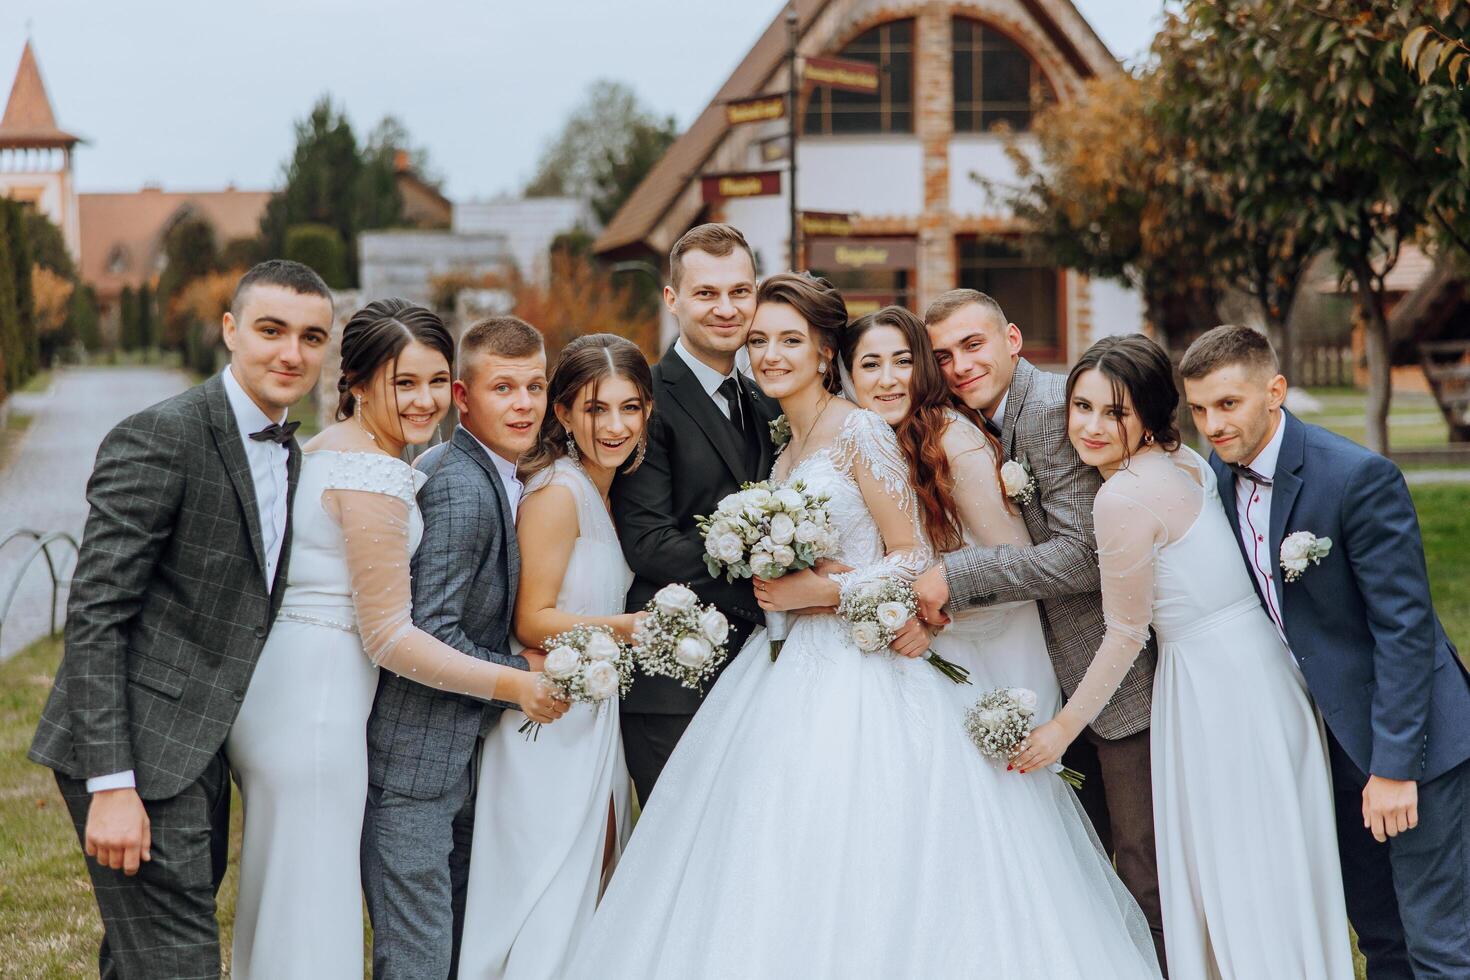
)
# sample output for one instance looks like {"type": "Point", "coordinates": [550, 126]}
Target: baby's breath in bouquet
{"type": "Point", "coordinates": [1000, 720]}
{"type": "Point", "coordinates": [584, 663]}
{"type": "Point", "coordinates": [767, 529]}
{"type": "Point", "coordinates": [680, 638]}
{"type": "Point", "coordinates": [876, 611]}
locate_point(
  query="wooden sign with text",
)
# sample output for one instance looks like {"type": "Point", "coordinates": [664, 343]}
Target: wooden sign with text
{"type": "Point", "coordinates": [833, 254]}
{"type": "Point", "coordinates": [760, 109]}
{"type": "Point", "coordinates": [825, 224]}
{"type": "Point", "coordinates": [721, 187]}
{"type": "Point", "coordinates": [840, 73]}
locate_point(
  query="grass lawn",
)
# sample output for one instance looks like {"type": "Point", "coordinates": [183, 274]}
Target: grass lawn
{"type": "Point", "coordinates": [1414, 419]}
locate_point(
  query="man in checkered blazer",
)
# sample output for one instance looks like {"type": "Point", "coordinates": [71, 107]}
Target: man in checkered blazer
{"type": "Point", "coordinates": [1025, 411]}
{"type": "Point", "coordinates": [182, 566]}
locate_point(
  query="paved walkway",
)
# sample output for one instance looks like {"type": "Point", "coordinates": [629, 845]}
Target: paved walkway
{"type": "Point", "coordinates": [44, 486]}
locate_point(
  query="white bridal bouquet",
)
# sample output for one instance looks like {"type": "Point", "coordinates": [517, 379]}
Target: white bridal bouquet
{"type": "Point", "coordinates": [680, 638]}
{"type": "Point", "coordinates": [585, 663]}
{"type": "Point", "coordinates": [766, 530]}
{"type": "Point", "coordinates": [877, 610]}
{"type": "Point", "coordinates": [1001, 719]}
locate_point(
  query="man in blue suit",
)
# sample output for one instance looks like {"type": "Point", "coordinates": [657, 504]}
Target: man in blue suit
{"type": "Point", "coordinates": [1362, 629]}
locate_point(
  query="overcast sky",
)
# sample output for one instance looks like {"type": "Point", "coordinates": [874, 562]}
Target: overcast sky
{"type": "Point", "coordinates": [196, 95]}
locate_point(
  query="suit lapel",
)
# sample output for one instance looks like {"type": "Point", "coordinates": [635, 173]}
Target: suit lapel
{"type": "Point", "coordinates": [237, 465]}
{"type": "Point", "coordinates": [471, 447]}
{"type": "Point", "coordinates": [1015, 398]}
{"type": "Point", "coordinates": [1285, 486]}
{"type": "Point", "coordinates": [1225, 488]}
{"type": "Point", "coordinates": [766, 411]}
{"type": "Point", "coordinates": [686, 391]}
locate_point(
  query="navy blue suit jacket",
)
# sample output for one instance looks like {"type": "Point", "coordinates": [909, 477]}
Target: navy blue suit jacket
{"type": "Point", "coordinates": [1361, 624]}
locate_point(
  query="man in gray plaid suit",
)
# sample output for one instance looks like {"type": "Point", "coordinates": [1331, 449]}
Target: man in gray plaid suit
{"type": "Point", "coordinates": [182, 565]}
{"type": "Point", "coordinates": [422, 743]}
{"type": "Point", "coordinates": [1025, 411]}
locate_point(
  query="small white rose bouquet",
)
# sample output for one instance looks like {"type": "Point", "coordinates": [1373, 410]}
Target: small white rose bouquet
{"type": "Point", "coordinates": [1301, 549]}
{"type": "Point", "coordinates": [876, 611]}
{"type": "Point", "coordinates": [681, 638]}
{"type": "Point", "coordinates": [766, 530]}
{"type": "Point", "coordinates": [584, 663]}
{"type": "Point", "coordinates": [1000, 720]}
{"type": "Point", "coordinates": [1018, 481]}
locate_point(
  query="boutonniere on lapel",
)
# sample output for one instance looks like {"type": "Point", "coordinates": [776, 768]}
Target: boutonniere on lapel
{"type": "Point", "coordinates": [1018, 481]}
{"type": "Point", "coordinates": [1301, 549]}
{"type": "Point", "coordinates": [780, 431]}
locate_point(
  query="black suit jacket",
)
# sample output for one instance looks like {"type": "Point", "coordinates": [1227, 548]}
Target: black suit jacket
{"type": "Point", "coordinates": [169, 608]}
{"type": "Point", "coordinates": [695, 457]}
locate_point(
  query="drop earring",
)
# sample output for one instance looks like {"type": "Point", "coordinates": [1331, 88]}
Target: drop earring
{"type": "Point", "coordinates": [572, 452]}
{"type": "Point", "coordinates": [638, 456]}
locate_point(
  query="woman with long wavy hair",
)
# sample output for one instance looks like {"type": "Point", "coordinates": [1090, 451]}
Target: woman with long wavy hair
{"type": "Point", "coordinates": [890, 369]}
{"type": "Point", "coordinates": [552, 814]}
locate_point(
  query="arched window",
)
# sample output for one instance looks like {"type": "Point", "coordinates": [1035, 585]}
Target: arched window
{"type": "Point", "coordinates": [891, 47]}
{"type": "Point", "coordinates": [995, 81]}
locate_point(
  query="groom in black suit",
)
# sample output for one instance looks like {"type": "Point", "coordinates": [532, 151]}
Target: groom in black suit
{"type": "Point", "coordinates": [709, 433]}
{"type": "Point", "coordinates": [181, 571]}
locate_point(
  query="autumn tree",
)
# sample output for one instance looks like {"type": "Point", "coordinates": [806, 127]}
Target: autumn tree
{"type": "Point", "coordinates": [580, 297]}
{"type": "Point", "coordinates": [52, 298]}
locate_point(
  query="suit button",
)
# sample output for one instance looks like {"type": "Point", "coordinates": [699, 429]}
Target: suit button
{"type": "Point", "coordinates": [260, 632]}
{"type": "Point", "coordinates": [238, 695]}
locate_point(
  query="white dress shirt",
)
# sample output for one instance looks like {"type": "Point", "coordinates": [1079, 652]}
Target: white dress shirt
{"type": "Point", "coordinates": [508, 479]}
{"type": "Point", "coordinates": [268, 471]}
{"type": "Point", "coordinates": [709, 379]}
{"type": "Point", "coordinates": [1253, 508]}
{"type": "Point", "coordinates": [999, 417]}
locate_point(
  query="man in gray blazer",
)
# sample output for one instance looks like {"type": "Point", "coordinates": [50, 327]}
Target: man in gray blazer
{"type": "Point", "coordinates": [182, 566]}
{"type": "Point", "coordinates": [422, 743]}
{"type": "Point", "coordinates": [1025, 411]}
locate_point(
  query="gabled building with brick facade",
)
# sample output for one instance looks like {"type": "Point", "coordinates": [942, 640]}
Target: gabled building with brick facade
{"type": "Point", "coordinates": [956, 82]}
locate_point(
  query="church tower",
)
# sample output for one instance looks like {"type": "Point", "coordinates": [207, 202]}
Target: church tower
{"type": "Point", "coordinates": [35, 154]}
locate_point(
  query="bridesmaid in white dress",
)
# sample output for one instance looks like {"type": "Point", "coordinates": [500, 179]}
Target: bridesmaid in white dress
{"type": "Point", "coordinates": [298, 747]}
{"type": "Point", "coordinates": [1248, 865]}
{"type": "Point", "coordinates": [551, 817]}
{"type": "Point", "coordinates": [890, 367]}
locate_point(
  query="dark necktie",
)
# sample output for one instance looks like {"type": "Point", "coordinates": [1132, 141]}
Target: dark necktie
{"type": "Point", "coordinates": [990, 425]}
{"type": "Point", "coordinates": [730, 390]}
{"type": "Point", "coordinates": [1246, 473]}
{"type": "Point", "coordinates": [277, 433]}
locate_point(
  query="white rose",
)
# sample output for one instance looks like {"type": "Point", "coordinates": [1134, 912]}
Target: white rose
{"type": "Point", "coordinates": [602, 680]}
{"type": "Point", "coordinates": [729, 549]}
{"type": "Point", "coordinates": [1013, 477]}
{"type": "Point", "coordinates": [892, 615]}
{"type": "Point", "coordinates": [561, 663]}
{"type": "Point", "coordinates": [807, 532]}
{"type": "Point", "coordinates": [728, 503]}
{"type": "Point", "coordinates": [757, 496]}
{"type": "Point", "coordinates": [867, 636]}
{"type": "Point", "coordinates": [601, 647]}
{"type": "Point", "coordinates": [1025, 697]}
{"type": "Point", "coordinates": [789, 499]}
{"type": "Point", "coordinates": [672, 600]}
{"type": "Point", "coordinates": [761, 564]}
{"type": "Point", "coordinates": [783, 555]}
{"type": "Point", "coordinates": [1297, 547]}
{"type": "Point", "coordinates": [714, 625]}
{"type": "Point", "coordinates": [783, 529]}
{"type": "Point", "coordinates": [693, 651]}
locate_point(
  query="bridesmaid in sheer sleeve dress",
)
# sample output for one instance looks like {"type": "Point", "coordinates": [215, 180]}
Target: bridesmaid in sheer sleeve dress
{"type": "Point", "coordinates": [1248, 866]}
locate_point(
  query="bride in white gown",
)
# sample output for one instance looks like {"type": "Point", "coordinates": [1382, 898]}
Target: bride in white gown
{"type": "Point", "coordinates": [825, 815]}
{"type": "Point", "coordinates": [1247, 841]}
{"type": "Point", "coordinates": [298, 747]}
{"type": "Point", "coordinates": [551, 815]}
{"type": "Point", "coordinates": [888, 367]}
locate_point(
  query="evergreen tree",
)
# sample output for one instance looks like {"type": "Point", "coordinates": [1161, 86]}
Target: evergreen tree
{"type": "Point", "coordinates": [11, 342]}
{"type": "Point", "coordinates": [127, 320]}
{"type": "Point", "coordinates": [147, 324]}
{"type": "Point", "coordinates": [29, 354]}
{"type": "Point", "coordinates": [320, 248]}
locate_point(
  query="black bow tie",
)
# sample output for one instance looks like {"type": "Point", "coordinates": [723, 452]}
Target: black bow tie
{"type": "Point", "coordinates": [1246, 473]}
{"type": "Point", "coordinates": [990, 425]}
{"type": "Point", "coordinates": [277, 433]}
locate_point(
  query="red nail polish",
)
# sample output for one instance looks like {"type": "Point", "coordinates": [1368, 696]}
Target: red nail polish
{"type": "Point", "coordinates": [1008, 768]}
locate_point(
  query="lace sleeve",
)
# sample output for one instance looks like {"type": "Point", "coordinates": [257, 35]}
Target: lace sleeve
{"type": "Point", "coordinates": [1129, 535]}
{"type": "Point", "coordinates": [868, 450]}
{"type": "Point", "coordinates": [987, 519]}
{"type": "Point", "coordinates": [371, 502]}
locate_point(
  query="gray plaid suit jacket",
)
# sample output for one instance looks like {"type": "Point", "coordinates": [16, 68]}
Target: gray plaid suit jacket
{"type": "Point", "coordinates": [169, 608]}
{"type": "Point", "coordinates": [1060, 568]}
{"type": "Point", "coordinates": [465, 574]}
